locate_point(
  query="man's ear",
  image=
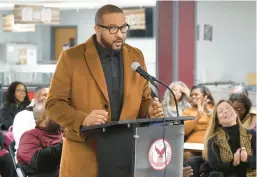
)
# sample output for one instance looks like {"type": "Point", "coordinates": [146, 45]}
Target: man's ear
{"type": "Point", "coordinates": [97, 30]}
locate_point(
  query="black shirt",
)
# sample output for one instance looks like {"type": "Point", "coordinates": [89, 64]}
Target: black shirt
{"type": "Point", "coordinates": [112, 64]}
{"type": "Point", "coordinates": [234, 142]}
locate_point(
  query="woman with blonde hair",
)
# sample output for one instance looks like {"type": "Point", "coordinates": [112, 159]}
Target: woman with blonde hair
{"type": "Point", "coordinates": [229, 147]}
{"type": "Point", "coordinates": [181, 92]}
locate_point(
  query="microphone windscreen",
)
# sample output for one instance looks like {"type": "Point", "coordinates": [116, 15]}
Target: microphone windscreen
{"type": "Point", "coordinates": [135, 65]}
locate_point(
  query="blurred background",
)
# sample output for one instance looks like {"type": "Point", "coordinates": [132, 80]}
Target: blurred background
{"type": "Point", "coordinates": [197, 42]}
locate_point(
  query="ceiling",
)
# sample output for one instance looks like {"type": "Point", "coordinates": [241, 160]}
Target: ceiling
{"type": "Point", "coordinates": [76, 4]}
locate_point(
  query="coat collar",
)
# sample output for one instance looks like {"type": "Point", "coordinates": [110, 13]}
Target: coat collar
{"type": "Point", "coordinates": [95, 67]}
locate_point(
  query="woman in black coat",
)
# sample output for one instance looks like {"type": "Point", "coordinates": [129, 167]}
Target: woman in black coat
{"type": "Point", "coordinates": [16, 100]}
{"type": "Point", "coordinates": [229, 147]}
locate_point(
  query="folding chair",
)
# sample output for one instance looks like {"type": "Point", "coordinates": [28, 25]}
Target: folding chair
{"type": "Point", "coordinates": [12, 152]}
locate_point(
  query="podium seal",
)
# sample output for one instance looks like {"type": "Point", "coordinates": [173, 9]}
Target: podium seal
{"type": "Point", "coordinates": [159, 155]}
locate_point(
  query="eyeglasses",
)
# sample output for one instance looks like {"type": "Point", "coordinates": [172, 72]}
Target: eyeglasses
{"type": "Point", "coordinates": [115, 29]}
{"type": "Point", "coordinates": [20, 90]}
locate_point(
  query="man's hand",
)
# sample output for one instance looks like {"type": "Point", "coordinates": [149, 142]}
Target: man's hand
{"type": "Point", "coordinates": [156, 109]}
{"type": "Point", "coordinates": [96, 117]}
{"type": "Point", "coordinates": [187, 171]}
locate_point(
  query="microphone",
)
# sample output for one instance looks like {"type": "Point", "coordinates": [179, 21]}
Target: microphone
{"type": "Point", "coordinates": [137, 68]}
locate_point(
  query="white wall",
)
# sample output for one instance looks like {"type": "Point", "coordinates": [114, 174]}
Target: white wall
{"type": "Point", "coordinates": [232, 53]}
{"type": "Point", "coordinates": [148, 47]}
{"type": "Point", "coordinates": [84, 20]}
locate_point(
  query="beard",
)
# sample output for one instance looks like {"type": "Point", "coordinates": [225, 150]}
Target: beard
{"type": "Point", "coordinates": [109, 46]}
{"type": "Point", "coordinates": [53, 126]}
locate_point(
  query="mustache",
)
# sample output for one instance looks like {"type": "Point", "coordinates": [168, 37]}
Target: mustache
{"type": "Point", "coordinates": [118, 40]}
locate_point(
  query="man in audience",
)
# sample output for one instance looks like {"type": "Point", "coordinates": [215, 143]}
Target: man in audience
{"type": "Point", "coordinates": [24, 120]}
{"type": "Point", "coordinates": [39, 151]}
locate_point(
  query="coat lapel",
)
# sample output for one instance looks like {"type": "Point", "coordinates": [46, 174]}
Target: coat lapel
{"type": "Point", "coordinates": [95, 66]}
{"type": "Point", "coordinates": [128, 75]}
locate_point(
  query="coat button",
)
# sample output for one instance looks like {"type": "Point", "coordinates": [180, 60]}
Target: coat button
{"type": "Point", "coordinates": [106, 106]}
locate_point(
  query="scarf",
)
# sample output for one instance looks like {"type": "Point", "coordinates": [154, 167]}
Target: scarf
{"type": "Point", "coordinates": [225, 151]}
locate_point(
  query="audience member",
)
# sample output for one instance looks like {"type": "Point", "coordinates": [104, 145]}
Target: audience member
{"type": "Point", "coordinates": [202, 106]}
{"type": "Point", "coordinates": [243, 106]}
{"type": "Point", "coordinates": [15, 101]}
{"type": "Point", "coordinates": [7, 168]}
{"type": "Point", "coordinates": [182, 93]}
{"type": "Point", "coordinates": [39, 151]}
{"type": "Point", "coordinates": [24, 120]}
{"type": "Point", "coordinates": [230, 149]}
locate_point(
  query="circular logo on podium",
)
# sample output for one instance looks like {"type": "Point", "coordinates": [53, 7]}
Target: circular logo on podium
{"type": "Point", "coordinates": [159, 155]}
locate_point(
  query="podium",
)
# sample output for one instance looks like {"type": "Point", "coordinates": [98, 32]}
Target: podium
{"type": "Point", "coordinates": [139, 148]}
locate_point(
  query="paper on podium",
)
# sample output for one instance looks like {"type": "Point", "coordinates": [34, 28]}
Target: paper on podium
{"type": "Point", "coordinates": [194, 146]}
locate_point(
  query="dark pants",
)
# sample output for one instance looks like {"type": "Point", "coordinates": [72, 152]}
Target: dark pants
{"type": "Point", "coordinates": [7, 168]}
{"type": "Point", "coordinates": [216, 174]}
{"type": "Point", "coordinates": [195, 163]}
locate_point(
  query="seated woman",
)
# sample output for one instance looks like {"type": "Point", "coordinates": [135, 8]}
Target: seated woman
{"type": "Point", "coordinates": [16, 100]}
{"type": "Point", "coordinates": [229, 147]}
{"type": "Point", "coordinates": [181, 92]}
{"type": "Point", "coordinates": [202, 105]}
{"type": "Point", "coordinates": [243, 106]}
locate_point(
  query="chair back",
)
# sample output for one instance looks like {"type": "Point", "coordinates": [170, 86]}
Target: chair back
{"type": "Point", "coordinates": [12, 151]}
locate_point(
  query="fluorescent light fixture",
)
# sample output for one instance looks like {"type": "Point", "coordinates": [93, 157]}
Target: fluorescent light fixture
{"type": "Point", "coordinates": [77, 4]}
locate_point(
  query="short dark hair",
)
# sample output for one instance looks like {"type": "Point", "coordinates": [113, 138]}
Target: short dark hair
{"type": "Point", "coordinates": [107, 9]}
{"type": "Point", "coordinates": [241, 98]}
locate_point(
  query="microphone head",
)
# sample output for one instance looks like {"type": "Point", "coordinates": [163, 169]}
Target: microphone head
{"type": "Point", "coordinates": [135, 65]}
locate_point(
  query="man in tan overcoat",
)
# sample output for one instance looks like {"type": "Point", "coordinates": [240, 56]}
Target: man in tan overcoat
{"type": "Point", "coordinates": [93, 84]}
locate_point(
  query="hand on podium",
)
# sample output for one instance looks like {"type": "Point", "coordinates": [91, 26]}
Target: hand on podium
{"type": "Point", "coordinates": [96, 117]}
{"type": "Point", "coordinates": [156, 109]}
